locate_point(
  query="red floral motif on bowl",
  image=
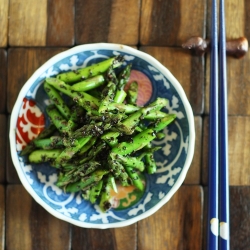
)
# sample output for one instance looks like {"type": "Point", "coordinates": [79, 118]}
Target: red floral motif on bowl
{"type": "Point", "coordinates": [30, 122]}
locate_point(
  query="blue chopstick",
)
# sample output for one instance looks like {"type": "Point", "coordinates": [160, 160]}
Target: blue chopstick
{"type": "Point", "coordinates": [223, 137]}
{"type": "Point", "coordinates": [218, 190]}
{"type": "Point", "coordinates": [213, 172]}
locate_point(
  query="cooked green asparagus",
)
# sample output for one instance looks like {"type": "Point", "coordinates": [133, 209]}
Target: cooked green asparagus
{"type": "Point", "coordinates": [101, 136]}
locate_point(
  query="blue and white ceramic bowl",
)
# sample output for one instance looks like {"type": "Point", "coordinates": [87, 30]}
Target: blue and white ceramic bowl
{"type": "Point", "coordinates": [28, 118]}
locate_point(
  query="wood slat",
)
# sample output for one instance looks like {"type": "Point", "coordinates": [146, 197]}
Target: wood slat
{"type": "Point", "coordinates": [246, 9]}
{"type": "Point", "coordinates": [3, 146]}
{"type": "Point", "coordinates": [238, 82]}
{"type": "Point", "coordinates": [205, 214]}
{"type": "Point", "coordinates": [171, 23]}
{"type": "Point", "coordinates": [187, 69]}
{"type": "Point", "coordinates": [106, 239]}
{"type": "Point", "coordinates": [48, 23]}
{"type": "Point", "coordinates": [124, 22]}
{"type": "Point", "coordinates": [11, 173]}
{"type": "Point", "coordinates": [28, 23]}
{"type": "Point", "coordinates": [2, 217]}
{"type": "Point", "coordinates": [60, 27]}
{"type": "Point", "coordinates": [4, 10]}
{"type": "Point", "coordinates": [29, 226]}
{"type": "Point", "coordinates": [107, 21]}
{"type": "Point", "coordinates": [25, 62]}
{"type": "Point", "coordinates": [3, 79]}
{"type": "Point", "coordinates": [177, 225]}
{"type": "Point", "coordinates": [238, 150]}
{"type": "Point", "coordinates": [239, 218]}
{"type": "Point", "coordinates": [194, 172]}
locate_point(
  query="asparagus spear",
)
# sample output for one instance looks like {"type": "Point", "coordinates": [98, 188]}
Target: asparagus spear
{"type": "Point", "coordinates": [83, 99]}
{"type": "Point", "coordinates": [72, 173]}
{"type": "Point", "coordinates": [128, 125]}
{"type": "Point", "coordinates": [110, 138]}
{"type": "Point", "coordinates": [87, 146]}
{"type": "Point", "coordinates": [163, 122]}
{"type": "Point", "coordinates": [132, 93]}
{"type": "Point", "coordinates": [154, 115]}
{"type": "Point", "coordinates": [150, 163]}
{"type": "Point", "coordinates": [119, 172]}
{"type": "Point", "coordinates": [77, 114]}
{"type": "Point", "coordinates": [137, 142]}
{"type": "Point", "coordinates": [88, 84]}
{"type": "Point", "coordinates": [93, 153]}
{"type": "Point", "coordinates": [95, 191]}
{"type": "Point", "coordinates": [42, 155]}
{"type": "Point", "coordinates": [44, 134]}
{"type": "Point", "coordinates": [143, 138]}
{"type": "Point", "coordinates": [121, 107]}
{"type": "Point", "coordinates": [57, 99]}
{"type": "Point", "coordinates": [69, 152]}
{"type": "Point", "coordinates": [124, 76]}
{"type": "Point", "coordinates": [64, 126]}
{"type": "Point", "coordinates": [108, 96]}
{"type": "Point", "coordinates": [64, 179]}
{"type": "Point", "coordinates": [105, 202]}
{"type": "Point", "coordinates": [93, 70]}
{"type": "Point", "coordinates": [129, 161]}
{"type": "Point", "coordinates": [120, 96]}
{"type": "Point", "coordinates": [122, 80]}
{"type": "Point", "coordinates": [90, 129]}
{"type": "Point", "coordinates": [86, 181]}
{"type": "Point", "coordinates": [134, 176]}
{"type": "Point", "coordinates": [97, 125]}
{"type": "Point", "coordinates": [49, 143]}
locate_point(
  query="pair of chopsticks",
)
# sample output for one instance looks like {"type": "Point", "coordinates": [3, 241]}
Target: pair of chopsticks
{"type": "Point", "coordinates": [218, 187]}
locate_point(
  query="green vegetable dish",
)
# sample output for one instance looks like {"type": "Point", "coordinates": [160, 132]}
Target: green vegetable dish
{"type": "Point", "coordinates": [98, 136]}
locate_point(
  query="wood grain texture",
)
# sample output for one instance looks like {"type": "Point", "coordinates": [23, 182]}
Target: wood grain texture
{"type": "Point", "coordinates": [239, 218]}
{"type": "Point", "coordinates": [194, 172]}
{"type": "Point", "coordinates": [155, 26]}
{"type": "Point", "coordinates": [25, 62]}
{"type": "Point", "coordinates": [3, 146]}
{"type": "Point", "coordinates": [4, 10]}
{"type": "Point", "coordinates": [238, 150]}
{"type": "Point", "coordinates": [187, 69]}
{"type": "Point", "coordinates": [3, 79]}
{"type": "Point", "coordinates": [238, 82]}
{"type": "Point", "coordinates": [107, 239]}
{"type": "Point", "coordinates": [247, 19]}
{"type": "Point", "coordinates": [2, 217]}
{"type": "Point", "coordinates": [236, 17]}
{"type": "Point", "coordinates": [11, 173]}
{"type": "Point", "coordinates": [29, 226]}
{"type": "Point", "coordinates": [170, 23]}
{"type": "Point", "coordinates": [107, 21]}
{"type": "Point", "coordinates": [60, 27]}
{"type": "Point", "coordinates": [28, 23]}
{"type": "Point", "coordinates": [177, 225]}
{"type": "Point", "coordinates": [205, 219]}
{"type": "Point", "coordinates": [89, 27]}
{"type": "Point", "coordinates": [124, 22]}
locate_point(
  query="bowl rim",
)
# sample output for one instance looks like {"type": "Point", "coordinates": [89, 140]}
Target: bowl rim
{"type": "Point", "coordinates": [115, 47]}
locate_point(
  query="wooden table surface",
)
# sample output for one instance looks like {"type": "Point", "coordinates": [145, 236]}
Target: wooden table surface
{"type": "Point", "coordinates": [34, 30]}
